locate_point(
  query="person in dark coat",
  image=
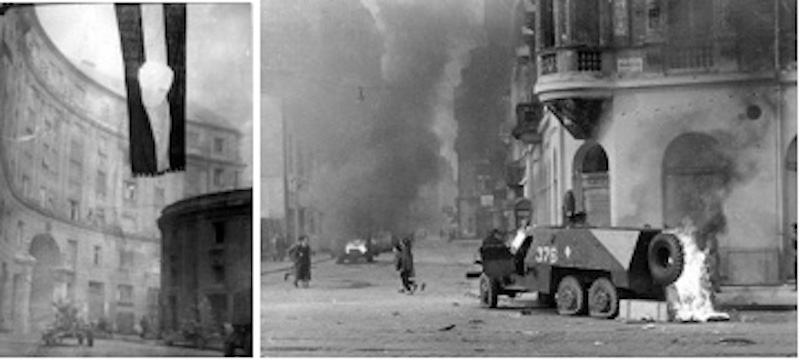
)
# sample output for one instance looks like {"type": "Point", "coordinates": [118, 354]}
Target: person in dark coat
{"type": "Point", "coordinates": [301, 255]}
{"type": "Point", "coordinates": [404, 263]}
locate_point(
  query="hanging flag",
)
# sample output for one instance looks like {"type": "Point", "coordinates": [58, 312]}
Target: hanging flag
{"type": "Point", "coordinates": [175, 24]}
{"type": "Point", "coordinates": [147, 124]}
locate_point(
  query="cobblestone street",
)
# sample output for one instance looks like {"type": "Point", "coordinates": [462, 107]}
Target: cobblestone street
{"type": "Point", "coordinates": [31, 345]}
{"type": "Point", "coordinates": [355, 310]}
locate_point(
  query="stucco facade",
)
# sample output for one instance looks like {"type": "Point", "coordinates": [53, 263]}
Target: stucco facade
{"type": "Point", "coordinates": [649, 127]}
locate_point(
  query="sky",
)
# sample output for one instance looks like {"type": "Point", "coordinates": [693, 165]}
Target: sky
{"type": "Point", "coordinates": [219, 56]}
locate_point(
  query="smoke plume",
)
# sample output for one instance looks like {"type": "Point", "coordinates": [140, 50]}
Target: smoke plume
{"type": "Point", "coordinates": [383, 127]}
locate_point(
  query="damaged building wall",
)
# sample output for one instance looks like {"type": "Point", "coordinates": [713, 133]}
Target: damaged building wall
{"type": "Point", "coordinates": [644, 125]}
{"type": "Point", "coordinates": [659, 128]}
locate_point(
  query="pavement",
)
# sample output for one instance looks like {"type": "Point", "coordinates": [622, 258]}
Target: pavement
{"type": "Point", "coordinates": [355, 310]}
{"type": "Point", "coordinates": [272, 267]}
{"type": "Point", "coordinates": [28, 345]}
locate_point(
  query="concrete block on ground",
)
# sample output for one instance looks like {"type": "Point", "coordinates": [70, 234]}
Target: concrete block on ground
{"type": "Point", "coordinates": [643, 310]}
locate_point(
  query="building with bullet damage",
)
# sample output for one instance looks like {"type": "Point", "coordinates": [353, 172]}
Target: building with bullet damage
{"type": "Point", "coordinates": [658, 112]}
{"type": "Point", "coordinates": [74, 223]}
{"type": "Point", "coordinates": [207, 261]}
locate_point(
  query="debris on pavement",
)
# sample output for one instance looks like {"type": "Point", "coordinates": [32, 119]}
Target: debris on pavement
{"type": "Point", "coordinates": [448, 327]}
{"type": "Point", "coordinates": [526, 312]}
{"type": "Point", "coordinates": [736, 341]}
{"type": "Point", "coordinates": [648, 327]}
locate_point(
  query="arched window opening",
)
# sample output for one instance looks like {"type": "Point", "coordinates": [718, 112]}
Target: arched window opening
{"type": "Point", "coordinates": [592, 184]}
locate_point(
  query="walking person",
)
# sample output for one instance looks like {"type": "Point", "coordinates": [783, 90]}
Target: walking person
{"type": "Point", "coordinates": [404, 263]}
{"type": "Point", "coordinates": [300, 253]}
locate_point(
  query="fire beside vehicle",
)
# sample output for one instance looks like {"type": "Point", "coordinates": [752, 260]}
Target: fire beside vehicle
{"type": "Point", "coordinates": [356, 249]}
{"type": "Point", "coordinates": [582, 270]}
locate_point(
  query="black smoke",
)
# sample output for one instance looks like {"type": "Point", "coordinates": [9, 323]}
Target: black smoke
{"type": "Point", "coordinates": [373, 123]}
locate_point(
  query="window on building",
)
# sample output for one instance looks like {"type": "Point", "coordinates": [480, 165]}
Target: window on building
{"type": "Point", "coordinates": [219, 232]}
{"type": "Point", "coordinates": [174, 269]}
{"type": "Point", "coordinates": [125, 294]}
{"type": "Point", "coordinates": [129, 191]}
{"type": "Point", "coordinates": [100, 216]}
{"type": "Point", "coordinates": [26, 185]}
{"type": "Point", "coordinates": [72, 255]}
{"type": "Point", "coordinates": [76, 150]}
{"type": "Point", "coordinates": [192, 139]}
{"type": "Point", "coordinates": [219, 145]}
{"type": "Point", "coordinates": [20, 232]}
{"type": "Point", "coordinates": [690, 19]}
{"type": "Point", "coordinates": [655, 16]}
{"type": "Point", "coordinates": [546, 28]}
{"type": "Point", "coordinates": [74, 209]}
{"type": "Point", "coordinates": [100, 185]}
{"type": "Point", "coordinates": [584, 20]}
{"type": "Point", "coordinates": [101, 148]}
{"type": "Point", "coordinates": [97, 255]}
{"type": "Point", "coordinates": [43, 196]}
{"type": "Point", "coordinates": [219, 177]}
{"type": "Point", "coordinates": [46, 166]}
{"type": "Point", "coordinates": [152, 296]}
{"type": "Point", "coordinates": [218, 273]}
{"type": "Point", "coordinates": [126, 259]}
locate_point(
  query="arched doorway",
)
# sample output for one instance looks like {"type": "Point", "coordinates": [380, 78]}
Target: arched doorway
{"type": "Point", "coordinates": [695, 182]}
{"type": "Point", "coordinates": [790, 209]}
{"type": "Point", "coordinates": [592, 184]}
{"type": "Point", "coordinates": [43, 281]}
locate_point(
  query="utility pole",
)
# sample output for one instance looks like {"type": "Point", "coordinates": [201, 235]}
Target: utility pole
{"type": "Point", "coordinates": [285, 147]}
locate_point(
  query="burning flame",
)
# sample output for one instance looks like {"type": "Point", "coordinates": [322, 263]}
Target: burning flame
{"type": "Point", "coordinates": [690, 297]}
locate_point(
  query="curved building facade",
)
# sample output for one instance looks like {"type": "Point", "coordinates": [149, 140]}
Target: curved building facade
{"type": "Point", "coordinates": [74, 223]}
{"type": "Point", "coordinates": [207, 260]}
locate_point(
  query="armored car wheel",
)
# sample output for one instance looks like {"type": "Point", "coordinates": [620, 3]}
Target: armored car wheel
{"type": "Point", "coordinates": [603, 299]}
{"type": "Point", "coordinates": [570, 297]}
{"type": "Point", "coordinates": [488, 291]}
{"type": "Point", "coordinates": [665, 259]}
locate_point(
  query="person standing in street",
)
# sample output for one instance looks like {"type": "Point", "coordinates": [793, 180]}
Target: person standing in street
{"type": "Point", "coordinates": [300, 253]}
{"type": "Point", "coordinates": [404, 263]}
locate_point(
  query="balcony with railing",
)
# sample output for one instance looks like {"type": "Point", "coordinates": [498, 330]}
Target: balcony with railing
{"type": "Point", "coordinates": [586, 48]}
{"type": "Point", "coordinates": [596, 70]}
{"type": "Point", "coordinates": [577, 67]}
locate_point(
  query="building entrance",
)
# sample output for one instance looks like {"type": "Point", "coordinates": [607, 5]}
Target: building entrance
{"type": "Point", "coordinates": [43, 281]}
{"type": "Point", "coordinates": [695, 182]}
{"type": "Point", "coordinates": [592, 185]}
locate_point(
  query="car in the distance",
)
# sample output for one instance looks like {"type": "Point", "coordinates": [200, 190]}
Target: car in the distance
{"type": "Point", "coordinates": [356, 249]}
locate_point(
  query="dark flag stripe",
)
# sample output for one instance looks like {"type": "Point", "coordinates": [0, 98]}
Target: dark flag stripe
{"type": "Point", "coordinates": [142, 144]}
{"type": "Point", "coordinates": [175, 29]}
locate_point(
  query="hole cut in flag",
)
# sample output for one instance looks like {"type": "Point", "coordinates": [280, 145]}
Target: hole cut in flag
{"type": "Point", "coordinates": [156, 128]}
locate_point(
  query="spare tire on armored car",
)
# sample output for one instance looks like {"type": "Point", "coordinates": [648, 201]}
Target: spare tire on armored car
{"type": "Point", "coordinates": [665, 259]}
